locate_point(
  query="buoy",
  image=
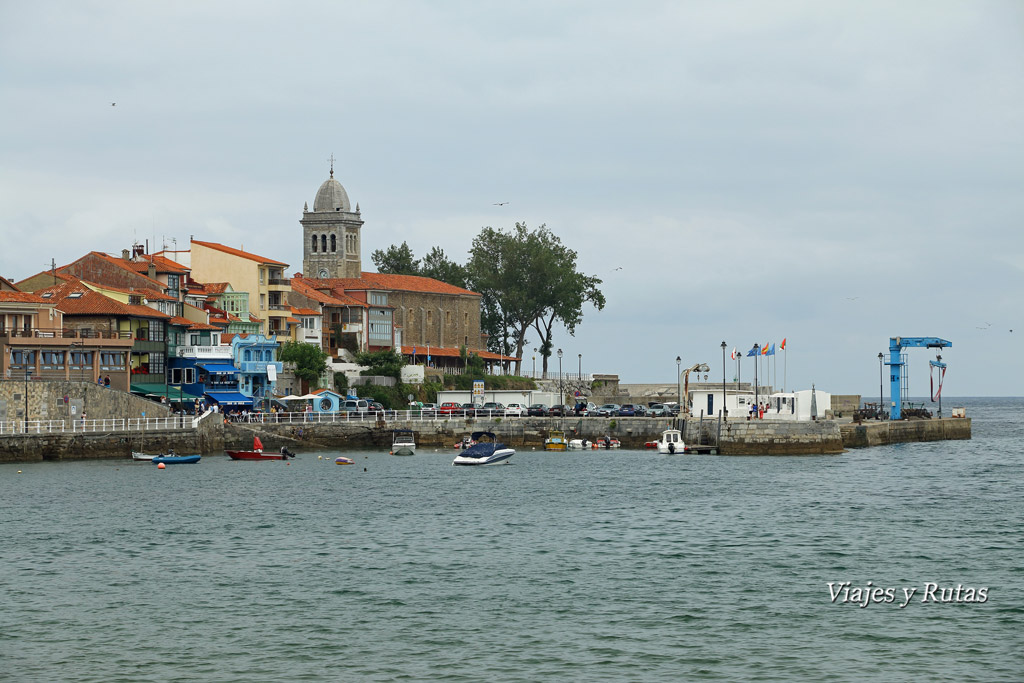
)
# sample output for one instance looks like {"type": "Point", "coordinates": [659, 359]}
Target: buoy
{"type": "Point", "coordinates": [161, 466]}
{"type": "Point", "coordinates": [319, 457]}
{"type": "Point", "coordinates": [19, 471]}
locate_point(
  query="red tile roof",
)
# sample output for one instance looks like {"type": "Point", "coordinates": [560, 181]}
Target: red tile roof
{"type": "Point", "coordinates": [120, 263]}
{"type": "Point", "coordinates": [304, 311]}
{"type": "Point", "coordinates": [397, 283]}
{"type": "Point", "coordinates": [239, 252]}
{"type": "Point", "coordinates": [162, 265]}
{"type": "Point", "coordinates": [215, 288]}
{"type": "Point", "coordinates": [75, 298]}
{"type": "Point", "coordinates": [7, 296]}
{"type": "Point", "coordinates": [453, 353]}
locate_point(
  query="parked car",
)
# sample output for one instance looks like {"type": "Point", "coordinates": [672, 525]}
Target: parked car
{"type": "Point", "coordinates": [429, 409]}
{"type": "Point", "coordinates": [560, 411]}
{"type": "Point", "coordinates": [355, 406]}
{"type": "Point", "coordinates": [469, 409]}
{"type": "Point", "coordinates": [491, 407]}
{"type": "Point", "coordinates": [376, 407]}
{"type": "Point", "coordinates": [537, 410]}
{"type": "Point", "coordinates": [515, 410]}
{"type": "Point", "coordinates": [627, 410]}
{"type": "Point", "coordinates": [672, 407]}
{"type": "Point", "coordinates": [659, 410]}
{"type": "Point", "coordinates": [640, 409]}
{"type": "Point", "coordinates": [450, 408]}
{"type": "Point", "coordinates": [608, 410]}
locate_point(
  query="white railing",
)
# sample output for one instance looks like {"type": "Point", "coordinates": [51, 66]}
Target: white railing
{"type": "Point", "coordinates": [414, 415]}
{"type": "Point", "coordinates": [113, 424]}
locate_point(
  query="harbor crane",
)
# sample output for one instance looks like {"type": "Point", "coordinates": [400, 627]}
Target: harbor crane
{"type": "Point", "coordinates": [698, 368]}
{"type": "Point", "coordinates": [898, 382]}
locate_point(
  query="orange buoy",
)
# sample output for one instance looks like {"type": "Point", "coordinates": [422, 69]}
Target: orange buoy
{"type": "Point", "coordinates": [161, 466]}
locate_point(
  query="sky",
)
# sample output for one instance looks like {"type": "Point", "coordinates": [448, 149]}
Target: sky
{"type": "Point", "coordinates": [831, 173]}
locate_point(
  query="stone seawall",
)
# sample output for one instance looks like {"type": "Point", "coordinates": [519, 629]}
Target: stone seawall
{"type": "Point", "coordinates": [905, 431]}
{"type": "Point", "coordinates": [738, 437]}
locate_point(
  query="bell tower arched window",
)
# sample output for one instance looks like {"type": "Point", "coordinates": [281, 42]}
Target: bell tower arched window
{"type": "Point", "coordinates": [334, 243]}
{"type": "Point", "coordinates": [314, 244]}
{"type": "Point", "coordinates": [323, 243]}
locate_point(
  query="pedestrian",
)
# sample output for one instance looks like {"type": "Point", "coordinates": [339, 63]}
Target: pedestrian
{"type": "Point", "coordinates": [106, 381]}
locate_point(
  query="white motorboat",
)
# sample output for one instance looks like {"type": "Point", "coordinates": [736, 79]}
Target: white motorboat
{"type": "Point", "coordinates": [486, 451]}
{"type": "Point", "coordinates": [580, 445]}
{"type": "Point", "coordinates": [671, 441]}
{"type": "Point", "coordinates": [404, 442]}
{"type": "Point", "coordinates": [136, 455]}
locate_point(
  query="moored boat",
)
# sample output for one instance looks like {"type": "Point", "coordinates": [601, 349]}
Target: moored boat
{"type": "Point", "coordinates": [257, 453]}
{"type": "Point", "coordinates": [556, 441]}
{"type": "Point", "coordinates": [172, 459]}
{"type": "Point", "coordinates": [136, 455]}
{"type": "Point", "coordinates": [344, 461]}
{"type": "Point", "coordinates": [403, 442]}
{"type": "Point", "coordinates": [486, 451]}
{"type": "Point", "coordinates": [579, 444]}
{"type": "Point", "coordinates": [671, 441]}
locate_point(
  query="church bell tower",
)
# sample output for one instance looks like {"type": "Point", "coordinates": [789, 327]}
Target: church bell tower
{"type": "Point", "coordinates": [331, 234]}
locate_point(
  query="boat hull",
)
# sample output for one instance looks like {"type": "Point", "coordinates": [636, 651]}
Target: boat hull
{"type": "Point", "coordinates": [176, 459]}
{"type": "Point", "coordinates": [498, 456]}
{"type": "Point", "coordinates": [403, 450]}
{"type": "Point", "coordinates": [142, 456]}
{"type": "Point", "coordinates": [253, 455]}
{"type": "Point", "coordinates": [344, 461]}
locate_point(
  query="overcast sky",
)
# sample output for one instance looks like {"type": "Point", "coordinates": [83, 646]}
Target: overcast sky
{"type": "Point", "coordinates": [830, 173]}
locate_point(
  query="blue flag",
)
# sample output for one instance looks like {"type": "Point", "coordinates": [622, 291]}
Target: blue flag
{"type": "Point", "coordinates": [771, 351]}
{"type": "Point", "coordinates": [754, 351]}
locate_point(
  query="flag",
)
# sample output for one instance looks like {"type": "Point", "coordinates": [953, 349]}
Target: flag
{"type": "Point", "coordinates": [783, 344]}
{"type": "Point", "coordinates": [764, 349]}
{"type": "Point", "coordinates": [752, 351]}
{"type": "Point", "coordinates": [771, 351]}
{"type": "Point", "coordinates": [733, 356]}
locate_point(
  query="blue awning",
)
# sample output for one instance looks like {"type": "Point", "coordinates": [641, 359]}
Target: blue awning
{"type": "Point", "coordinates": [218, 367]}
{"type": "Point", "coordinates": [230, 398]}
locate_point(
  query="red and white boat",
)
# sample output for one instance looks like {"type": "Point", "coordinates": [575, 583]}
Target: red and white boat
{"type": "Point", "coordinates": [257, 453]}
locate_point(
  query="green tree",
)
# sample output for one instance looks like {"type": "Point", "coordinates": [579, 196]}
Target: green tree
{"type": "Point", "coordinates": [527, 279]}
{"type": "Point", "coordinates": [309, 359]}
{"type": "Point", "coordinates": [396, 260]}
{"type": "Point", "coordinates": [386, 363]}
{"type": "Point", "coordinates": [438, 266]}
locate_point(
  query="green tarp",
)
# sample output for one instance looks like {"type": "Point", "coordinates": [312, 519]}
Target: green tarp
{"type": "Point", "coordinates": [159, 389]}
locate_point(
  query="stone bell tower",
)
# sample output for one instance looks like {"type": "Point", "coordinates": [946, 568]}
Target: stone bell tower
{"type": "Point", "coordinates": [331, 234]}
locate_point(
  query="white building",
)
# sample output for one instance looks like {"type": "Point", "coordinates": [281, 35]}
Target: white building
{"type": "Point", "coordinates": [799, 405]}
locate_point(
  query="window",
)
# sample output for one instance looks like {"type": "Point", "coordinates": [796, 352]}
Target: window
{"type": "Point", "coordinates": [313, 243]}
{"type": "Point", "coordinates": [52, 359]}
{"type": "Point", "coordinates": [447, 317]}
{"type": "Point", "coordinates": [19, 358]}
{"type": "Point", "coordinates": [156, 363]}
{"type": "Point", "coordinates": [430, 317]}
{"type": "Point", "coordinates": [248, 354]}
{"type": "Point", "coordinates": [156, 330]}
{"type": "Point", "coordinates": [263, 302]}
{"type": "Point", "coordinates": [172, 285]}
{"type": "Point", "coordinates": [262, 275]}
{"type": "Point", "coordinates": [194, 339]}
{"type": "Point", "coordinates": [323, 243]}
{"type": "Point", "coordinates": [81, 359]}
{"type": "Point", "coordinates": [112, 360]}
{"type": "Point", "coordinates": [334, 244]}
{"type": "Point", "coordinates": [378, 299]}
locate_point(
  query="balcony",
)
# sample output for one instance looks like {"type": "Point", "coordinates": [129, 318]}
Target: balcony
{"type": "Point", "coordinates": [204, 352]}
{"type": "Point", "coordinates": [279, 285]}
{"type": "Point", "coordinates": [256, 367]}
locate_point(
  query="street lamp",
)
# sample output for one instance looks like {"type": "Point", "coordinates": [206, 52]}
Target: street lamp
{"type": "Point", "coordinates": [679, 382]}
{"type": "Point", "coordinates": [725, 413]}
{"type": "Point", "coordinates": [757, 400]}
{"type": "Point", "coordinates": [880, 356]}
{"type": "Point", "coordinates": [561, 402]}
{"type": "Point", "coordinates": [28, 373]}
{"type": "Point", "coordinates": [535, 363]}
{"type": "Point", "coordinates": [938, 363]}
{"type": "Point", "coordinates": [579, 371]}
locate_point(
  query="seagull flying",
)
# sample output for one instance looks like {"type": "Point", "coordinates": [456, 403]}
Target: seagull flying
{"type": "Point", "coordinates": [500, 203]}
{"type": "Point", "coordinates": [113, 104]}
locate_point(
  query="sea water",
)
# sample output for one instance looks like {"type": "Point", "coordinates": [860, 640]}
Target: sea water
{"type": "Point", "coordinates": [622, 565]}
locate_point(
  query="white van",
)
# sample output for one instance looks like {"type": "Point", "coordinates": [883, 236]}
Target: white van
{"type": "Point", "coordinates": [355, 406]}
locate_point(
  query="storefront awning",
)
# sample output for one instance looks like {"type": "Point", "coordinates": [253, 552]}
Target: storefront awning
{"type": "Point", "coordinates": [170, 391]}
{"type": "Point", "coordinates": [230, 398]}
{"type": "Point", "coordinates": [218, 367]}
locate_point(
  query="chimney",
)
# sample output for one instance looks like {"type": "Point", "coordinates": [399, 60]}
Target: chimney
{"type": "Point", "coordinates": [152, 271]}
{"type": "Point", "coordinates": [125, 255]}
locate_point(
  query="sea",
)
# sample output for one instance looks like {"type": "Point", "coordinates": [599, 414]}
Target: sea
{"type": "Point", "coordinates": [895, 563]}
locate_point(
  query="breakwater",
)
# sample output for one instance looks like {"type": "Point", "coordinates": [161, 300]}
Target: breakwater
{"type": "Point", "coordinates": [732, 437]}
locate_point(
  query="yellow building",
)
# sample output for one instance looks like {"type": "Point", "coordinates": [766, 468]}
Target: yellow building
{"type": "Point", "coordinates": [263, 278]}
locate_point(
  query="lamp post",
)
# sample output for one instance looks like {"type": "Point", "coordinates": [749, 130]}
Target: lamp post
{"type": "Point", "coordinates": [679, 382]}
{"type": "Point", "coordinates": [880, 356]}
{"type": "Point", "coordinates": [535, 363]}
{"type": "Point", "coordinates": [725, 413]}
{"type": "Point", "coordinates": [579, 370]}
{"type": "Point", "coordinates": [560, 395]}
{"type": "Point", "coordinates": [757, 401]}
{"type": "Point", "coordinates": [938, 363]}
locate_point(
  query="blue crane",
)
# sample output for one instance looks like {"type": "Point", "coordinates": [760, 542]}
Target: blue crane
{"type": "Point", "coordinates": [897, 360]}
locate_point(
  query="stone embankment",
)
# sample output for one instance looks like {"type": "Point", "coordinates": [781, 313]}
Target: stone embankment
{"type": "Point", "coordinates": [733, 437]}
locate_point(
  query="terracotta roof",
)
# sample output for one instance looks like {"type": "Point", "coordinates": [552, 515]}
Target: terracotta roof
{"type": "Point", "coordinates": [162, 265]}
{"type": "Point", "coordinates": [337, 296]}
{"type": "Point", "coordinates": [178, 320]}
{"type": "Point", "coordinates": [304, 311]}
{"type": "Point", "coordinates": [150, 294]}
{"type": "Point", "coordinates": [5, 281]}
{"type": "Point", "coordinates": [121, 263]}
{"type": "Point", "coordinates": [238, 252]}
{"type": "Point", "coordinates": [59, 275]}
{"type": "Point", "coordinates": [290, 319]}
{"type": "Point", "coordinates": [22, 297]}
{"type": "Point", "coordinates": [215, 288]}
{"type": "Point", "coordinates": [75, 298]}
{"type": "Point", "coordinates": [397, 283]}
{"type": "Point", "coordinates": [202, 326]}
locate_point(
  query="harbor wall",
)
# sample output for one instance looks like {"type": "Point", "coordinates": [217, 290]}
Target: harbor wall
{"type": "Point", "coordinates": [885, 432]}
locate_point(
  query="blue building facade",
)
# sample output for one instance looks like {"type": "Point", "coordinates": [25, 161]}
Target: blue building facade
{"type": "Point", "coordinates": [255, 357]}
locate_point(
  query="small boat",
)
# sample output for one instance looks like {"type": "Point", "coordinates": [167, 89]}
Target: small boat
{"type": "Point", "coordinates": [486, 451]}
{"type": "Point", "coordinates": [172, 459]}
{"type": "Point", "coordinates": [650, 444]}
{"type": "Point", "coordinates": [579, 444]}
{"type": "Point", "coordinates": [257, 453]}
{"type": "Point", "coordinates": [344, 461]}
{"type": "Point", "coordinates": [403, 442]}
{"type": "Point", "coordinates": [671, 441]}
{"type": "Point", "coordinates": [136, 455]}
{"type": "Point", "coordinates": [556, 441]}
{"type": "Point", "coordinates": [607, 442]}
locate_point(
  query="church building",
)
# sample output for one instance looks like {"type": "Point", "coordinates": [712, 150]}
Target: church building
{"type": "Point", "coordinates": [418, 316]}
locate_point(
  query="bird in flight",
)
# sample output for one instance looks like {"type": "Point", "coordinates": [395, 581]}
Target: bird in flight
{"type": "Point", "coordinates": [852, 298]}
{"type": "Point", "coordinates": [500, 203]}
{"type": "Point", "coordinates": [113, 104]}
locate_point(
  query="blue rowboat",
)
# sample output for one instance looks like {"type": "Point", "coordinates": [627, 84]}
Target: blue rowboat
{"type": "Point", "coordinates": [176, 459]}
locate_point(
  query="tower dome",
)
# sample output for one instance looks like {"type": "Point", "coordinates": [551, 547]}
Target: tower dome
{"type": "Point", "coordinates": [331, 196]}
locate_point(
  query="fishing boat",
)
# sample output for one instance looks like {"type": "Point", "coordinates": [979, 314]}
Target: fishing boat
{"type": "Point", "coordinates": [556, 441]}
{"type": "Point", "coordinates": [607, 442]}
{"type": "Point", "coordinates": [344, 461]}
{"type": "Point", "coordinates": [257, 453]}
{"type": "Point", "coordinates": [671, 441]}
{"type": "Point", "coordinates": [172, 459]}
{"type": "Point", "coordinates": [486, 451]}
{"type": "Point", "coordinates": [403, 442]}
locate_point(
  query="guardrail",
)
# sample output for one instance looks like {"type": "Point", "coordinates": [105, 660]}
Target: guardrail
{"type": "Point", "coordinates": [114, 424]}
